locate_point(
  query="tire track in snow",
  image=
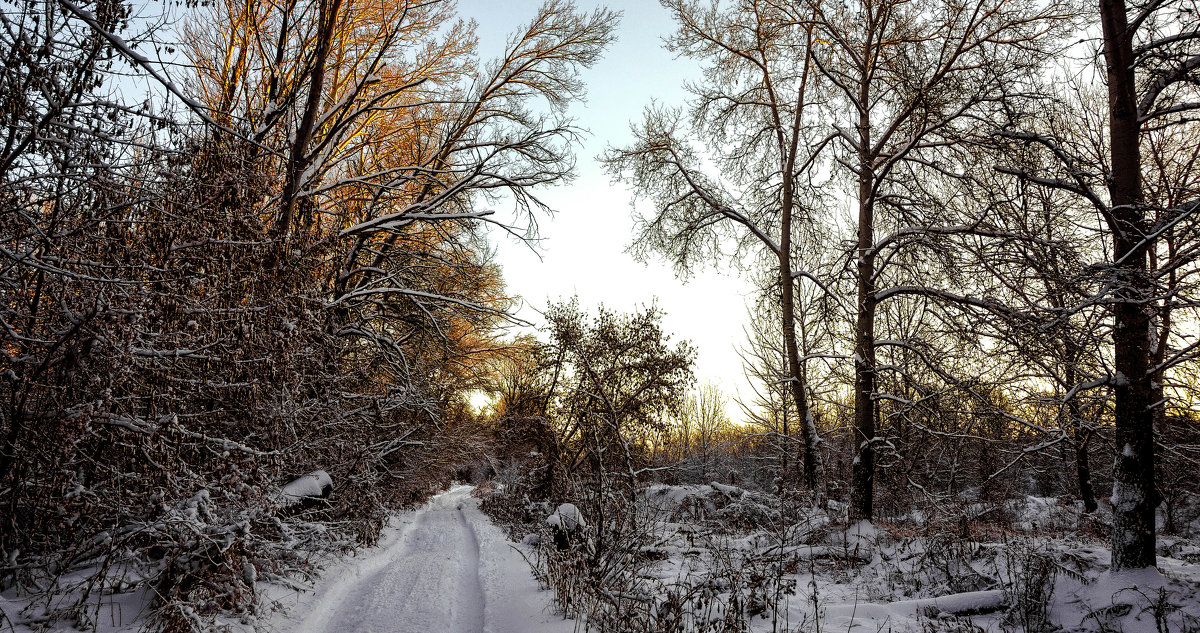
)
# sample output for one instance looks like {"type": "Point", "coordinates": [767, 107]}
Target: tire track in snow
{"type": "Point", "coordinates": [427, 580]}
{"type": "Point", "coordinates": [470, 578]}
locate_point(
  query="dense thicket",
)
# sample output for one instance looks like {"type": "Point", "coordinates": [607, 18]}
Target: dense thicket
{"type": "Point", "coordinates": [270, 267]}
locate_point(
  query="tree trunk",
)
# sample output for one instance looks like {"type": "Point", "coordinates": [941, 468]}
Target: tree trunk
{"type": "Point", "coordinates": [1080, 437]}
{"type": "Point", "coordinates": [1134, 496]}
{"type": "Point", "coordinates": [299, 160]}
{"type": "Point", "coordinates": [1083, 471]}
{"type": "Point", "coordinates": [814, 470]}
{"type": "Point", "coordinates": [862, 494]}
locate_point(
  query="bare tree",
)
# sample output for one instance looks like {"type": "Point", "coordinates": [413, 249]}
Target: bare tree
{"type": "Point", "coordinates": [704, 417]}
{"type": "Point", "coordinates": [751, 114]}
{"type": "Point", "coordinates": [1151, 66]}
{"type": "Point", "coordinates": [770, 407]}
{"type": "Point", "coordinates": [910, 79]}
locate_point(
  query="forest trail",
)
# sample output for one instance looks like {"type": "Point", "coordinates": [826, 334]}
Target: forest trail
{"type": "Point", "coordinates": [442, 567]}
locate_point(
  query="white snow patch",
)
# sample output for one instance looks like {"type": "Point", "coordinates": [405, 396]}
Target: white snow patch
{"type": "Point", "coordinates": [861, 535]}
{"type": "Point", "coordinates": [567, 517]}
{"type": "Point", "coordinates": [313, 484]}
{"type": "Point", "coordinates": [1125, 497]}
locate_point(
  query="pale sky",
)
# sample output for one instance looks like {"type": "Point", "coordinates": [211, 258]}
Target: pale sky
{"type": "Point", "coordinates": [583, 248]}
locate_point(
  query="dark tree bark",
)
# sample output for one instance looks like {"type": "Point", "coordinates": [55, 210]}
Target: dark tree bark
{"type": "Point", "coordinates": [1083, 471]}
{"type": "Point", "coordinates": [1134, 495]}
{"type": "Point", "coordinates": [862, 494]}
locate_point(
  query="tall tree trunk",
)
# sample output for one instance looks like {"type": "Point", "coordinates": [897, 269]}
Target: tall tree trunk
{"type": "Point", "coordinates": [814, 471]}
{"type": "Point", "coordinates": [1134, 495]}
{"type": "Point", "coordinates": [862, 494]}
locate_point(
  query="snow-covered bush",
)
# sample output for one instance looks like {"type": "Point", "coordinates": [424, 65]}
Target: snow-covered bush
{"type": "Point", "coordinates": [721, 505]}
{"type": "Point", "coordinates": [566, 525]}
{"type": "Point", "coordinates": [620, 570]}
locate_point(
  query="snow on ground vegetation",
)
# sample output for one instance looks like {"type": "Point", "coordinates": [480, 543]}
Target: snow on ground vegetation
{"type": "Point", "coordinates": [443, 567]}
{"type": "Point", "coordinates": [713, 558]}
{"type": "Point", "coordinates": [720, 558]}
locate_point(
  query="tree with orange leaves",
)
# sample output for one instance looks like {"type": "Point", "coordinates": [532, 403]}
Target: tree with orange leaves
{"type": "Point", "coordinates": [291, 277]}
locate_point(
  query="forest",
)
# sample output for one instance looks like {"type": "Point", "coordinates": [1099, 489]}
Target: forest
{"type": "Point", "coordinates": [251, 312]}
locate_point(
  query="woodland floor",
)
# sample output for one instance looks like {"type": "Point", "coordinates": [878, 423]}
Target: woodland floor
{"type": "Point", "coordinates": [445, 566]}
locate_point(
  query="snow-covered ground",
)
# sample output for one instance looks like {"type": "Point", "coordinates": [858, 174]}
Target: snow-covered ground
{"type": "Point", "coordinates": [717, 557]}
{"type": "Point", "coordinates": [710, 552]}
{"type": "Point", "coordinates": [443, 567]}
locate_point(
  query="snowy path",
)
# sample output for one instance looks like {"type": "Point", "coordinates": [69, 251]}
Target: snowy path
{"type": "Point", "coordinates": [443, 567]}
